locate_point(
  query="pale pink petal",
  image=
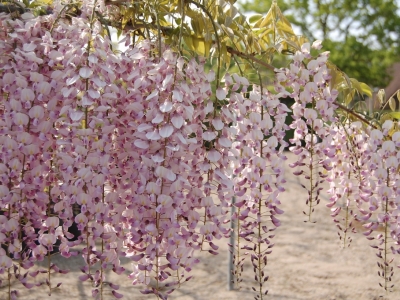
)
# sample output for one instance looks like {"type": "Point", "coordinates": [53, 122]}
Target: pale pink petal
{"type": "Point", "coordinates": [211, 76]}
{"type": "Point", "coordinates": [317, 45]}
{"type": "Point", "coordinates": [86, 101]}
{"type": "Point", "coordinates": [221, 94]}
{"type": "Point", "coordinates": [93, 59]}
{"type": "Point", "coordinates": [177, 121]}
{"type": "Point", "coordinates": [44, 88]}
{"type": "Point", "coordinates": [154, 136]}
{"type": "Point", "coordinates": [209, 107]}
{"type": "Point", "coordinates": [36, 112]}
{"type": "Point", "coordinates": [141, 144]}
{"type": "Point", "coordinates": [217, 123]}
{"type": "Point", "coordinates": [181, 138]}
{"type": "Point", "coordinates": [166, 131]}
{"type": "Point", "coordinates": [214, 156]}
{"type": "Point", "coordinates": [55, 55]}
{"type": "Point", "coordinates": [64, 109]}
{"type": "Point", "coordinates": [171, 175]}
{"type": "Point", "coordinates": [27, 95]}
{"type": "Point", "coordinates": [72, 80]}
{"type": "Point", "coordinates": [209, 136]}
{"type": "Point", "coordinates": [166, 107]}
{"type": "Point", "coordinates": [225, 142]}
{"type": "Point", "coordinates": [137, 55]}
{"type": "Point", "coordinates": [143, 127]}
{"type": "Point", "coordinates": [94, 94]}
{"type": "Point", "coordinates": [102, 108]}
{"type": "Point", "coordinates": [21, 119]}
{"type": "Point", "coordinates": [29, 47]}
{"type": "Point", "coordinates": [85, 72]}
{"type": "Point", "coordinates": [157, 158]}
{"type": "Point", "coordinates": [177, 96]}
{"type": "Point", "coordinates": [134, 107]}
{"type": "Point", "coordinates": [154, 94]}
{"type": "Point", "coordinates": [173, 148]}
{"type": "Point", "coordinates": [98, 82]}
{"type": "Point", "coordinates": [158, 119]}
{"type": "Point", "coordinates": [189, 112]}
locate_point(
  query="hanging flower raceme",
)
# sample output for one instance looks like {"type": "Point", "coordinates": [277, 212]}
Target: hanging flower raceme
{"type": "Point", "coordinates": [258, 171]}
{"type": "Point", "coordinates": [348, 183]}
{"type": "Point", "coordinates": [307, 82]}
{"type": "Point", "coordinates": [381, 196]}
{"type": "Point", "coordinates": [169, 170]}
{"type": "Point", "coordinates": [28, 145]}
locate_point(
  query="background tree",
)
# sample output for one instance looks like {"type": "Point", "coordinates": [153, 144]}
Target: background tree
{"type": "Point", "coordinates": [362, 35]}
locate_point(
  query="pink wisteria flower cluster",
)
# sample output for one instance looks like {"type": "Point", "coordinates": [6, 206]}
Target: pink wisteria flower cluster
{"type": "Point", "coordinates": [122, 138]}
{"type": "Point", "coordinates": [307, 81]}
{"type": "Point", "coordinates": [364, 187]}
{"type": "Point", "coordinates": [258, 176]}
{"type": "Point", "coordinates": [358, 159]}
{"type": "Point", "coordinates": [139, 154]}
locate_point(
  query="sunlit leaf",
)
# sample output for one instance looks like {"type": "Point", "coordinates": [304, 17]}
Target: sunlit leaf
{"type": "Point", "coordinates": [392, 104]}
{"type": "Point", "coordinates": [394, 115]}
{"type": "Point", "coordinates": [366, 89]}
{"type": "Point", "coordinates": [255, 18]}
{"type": "Point", "coordinates": [381, 96]}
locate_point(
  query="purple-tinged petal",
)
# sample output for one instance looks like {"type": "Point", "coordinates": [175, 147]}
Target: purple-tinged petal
{"type": "Point", "coordinates": [166, 107]}
{"type": "Point", "coordinates": [166, 131]}
{"type": "Point", "coordinates": [85, 72]}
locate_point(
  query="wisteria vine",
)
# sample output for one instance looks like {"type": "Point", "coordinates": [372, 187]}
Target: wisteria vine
{"type": "Point", "coordinates": [140, 154]}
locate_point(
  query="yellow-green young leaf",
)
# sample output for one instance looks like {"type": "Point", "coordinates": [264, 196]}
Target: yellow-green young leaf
{"type": "Point", "coordinates": [228, 31]}
{"type": "Point", "coordinates": [381, 96]}
{"type": "Point", "coordinates": [254, 18]}
{"type": "Point", "coordinates": [394, 115]}
{"type": "Point", "coordinates": [198, 26]}
{"type": "Point", "coordinates": [355, 84]}
{"type": "Point", "coordinates": [188, 39]}
{"type": "Point", "coordinates": [398, 95]}
{"type": "Point", "coordinates": [250, 41]}
{"type": "Point", "coordinates": [257, 47]}
{"type": "Point", "coordinates": [348, 95]}
{"type": "Point", "coordinates": [285, 27]}
{"type": "Point", "coordinates": [201, 46]}
{"type": "Point", "coordinates": [366, 90]}
{"type": "Point", "coordinates": [392, 104]}
{"type": "Point", "coordinates": [266, 21]}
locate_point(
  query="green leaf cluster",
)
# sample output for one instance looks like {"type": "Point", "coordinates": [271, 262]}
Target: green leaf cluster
{"type": "Point", "coordinates": [362, 35]}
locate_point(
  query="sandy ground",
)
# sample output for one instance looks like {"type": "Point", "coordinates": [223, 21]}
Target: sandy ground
{"type": "Point", "coordinates": [307, 263]}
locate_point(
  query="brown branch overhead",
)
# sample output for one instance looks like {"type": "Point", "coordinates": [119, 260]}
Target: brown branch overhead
{"type": "Point", "coordinates": [353, 113]}
{"type": "Point", "coordinates": [251, 57]}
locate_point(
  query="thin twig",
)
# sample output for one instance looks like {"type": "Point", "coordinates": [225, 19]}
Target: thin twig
{"type": "Point", "coordinates": [251, 57]}
{"type": "Point", "coordinates": [353, 113]}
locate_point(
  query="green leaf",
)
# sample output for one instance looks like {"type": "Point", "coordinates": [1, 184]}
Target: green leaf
{"type": "Point", "coordinates": [254, 18]}
{"type": "Point", "coordinates": [366, 90]}
{"type": "Point", "coordinates": [381, 96]}
{"type": "Point", "coordinates": [394, 115]}
{"type": "Point", "coordinates": [392, 104]}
